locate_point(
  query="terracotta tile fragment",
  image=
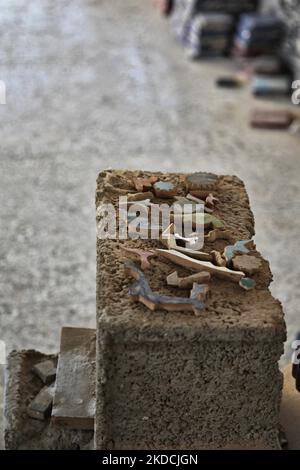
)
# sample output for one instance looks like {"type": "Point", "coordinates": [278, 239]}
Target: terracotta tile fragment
{"type": "Point", "coordinates": [187, 282]}
{"type": "Point", "coordinates": [196, 265]}
{"type": "Point", "coordinates": [142, 255]}
{"type": "Point", "coordinates": [144, 184]}
{"type": "Point", "coordinates": [271, 119]}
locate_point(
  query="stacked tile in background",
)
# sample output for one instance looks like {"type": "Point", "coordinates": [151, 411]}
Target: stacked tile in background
{"type": "Point", "coordinates": [289, 11]}
{"type": "Point", "coordinates": [182, 15]}
{"type": "Point", "coordinates": [206, 26]}
{"type": "Point", "coordinates": [258, 34]}
{"type": "Point", "coordinates": [271, 86]}
{"type": "Point", "coordinates": [232, 7]}
{"type": "Point", "coordinates": [209, 35]}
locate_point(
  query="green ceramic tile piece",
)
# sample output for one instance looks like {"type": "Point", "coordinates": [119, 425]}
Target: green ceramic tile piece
{"type": "Point", "coordinates": [238, 247]}
{"type": "Point", "coordinates": [207, 220]}
{"type": "Point", "coordinates": [215, 222]}
{"type": "Point", "coordinates": [186, 205]}
{"type": "Point", "coordinates": [247, 283]}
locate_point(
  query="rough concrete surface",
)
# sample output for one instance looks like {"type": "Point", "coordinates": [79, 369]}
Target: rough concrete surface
{"type": "Point", "coordinates": [22, 432]}
{"type": "Point", "coordinates": [96, 83]}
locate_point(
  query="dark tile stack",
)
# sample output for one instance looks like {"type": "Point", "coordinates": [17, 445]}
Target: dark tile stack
{"type": "Point", "coordinates": [184, 11]}
{"type": "Point", "coordinates": [259, 34]}
{"type": "Point", "coordinates": [209, 35]}
{"type": "Point", "coordinates": [289, 11]}
{"type": "Point", "coordinates": [232, 7]}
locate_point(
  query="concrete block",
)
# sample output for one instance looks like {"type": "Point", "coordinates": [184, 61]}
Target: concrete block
{"type": "Point", "coordinates": [176, 381]}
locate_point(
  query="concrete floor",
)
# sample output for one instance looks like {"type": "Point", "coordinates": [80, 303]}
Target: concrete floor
{"type": "Point", "coordinates": [94, 84]}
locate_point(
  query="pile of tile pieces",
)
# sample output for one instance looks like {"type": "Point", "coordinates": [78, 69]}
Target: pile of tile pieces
{"type": "Point", "coordinates": [206, 27]}
{"type": "Point", "coordinates": [67, 395]}
{"type": "Point", "coordinates": [214, 28]}
{"type": "Point", "coordinates": [235, 264]}
{"type": "Point", "coordinates": [290, 12]}
{"type": "Point", "coordinates": [268, 79]}
{"type": "Point", "coordinates": [258, 34]}
{"type": "Point", "coordinates": [209, 35]}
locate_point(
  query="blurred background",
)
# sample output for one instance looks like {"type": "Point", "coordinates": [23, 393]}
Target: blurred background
{"type": "Point", "coordinates": [93, 84]}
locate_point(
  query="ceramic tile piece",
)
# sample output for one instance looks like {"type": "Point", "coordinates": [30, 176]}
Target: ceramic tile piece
{"type": "Point", "coordinates": [240, 247]}
{"type": "Point", "coordinates": [139, 196]}
{"type": "Point", "coordinates": [271, 119]}
{"type": "Point", "coordinates": [173, 279]}
{"type": "Point", "coordinates": [184, 202]}
{"type": "Point", "coordinates": [144, 184]}
{"type": "Point", "coordinates": [211, 201]}
{"type": "Point", "coordinates": [218, 259]}
{"type": "Point", "coordinates": [195, 265]}
{"type": "Point", "coordinates": [170, 241]}
{"type": "Point", "coordinates": [164, 189]}
{"type": "Point", "coordinates": [248, 264]}
{"type": "Point", "coordinates": [46, 371]}
{"type": "Point", "coordinates": [247, 283]}
{"type": "Point", "coordinates": [40, 407]}
{"type": "Point", "coordinates": [195, 199]}
{"type": "Point", "coordinates": [208, 220]}
{"type": "Point", "coordinates": [200, 292]}
{"type": "Point", "coordinates": [264, 85]}
{"type": "Point", "coordinates": [140, 291]}
{"type": "Point", "coordinates": [218, 234]}
{"type": "Point", "coordinates": [187, 282]}
{"type": "Point", "coordinates": [208, 210]}
{"type": "Point", "coordinates": [142, 255]}
{"type": "Point", "coordinates": [195, 203]}
{"type": "Point", "coordinates": [113, 189]}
